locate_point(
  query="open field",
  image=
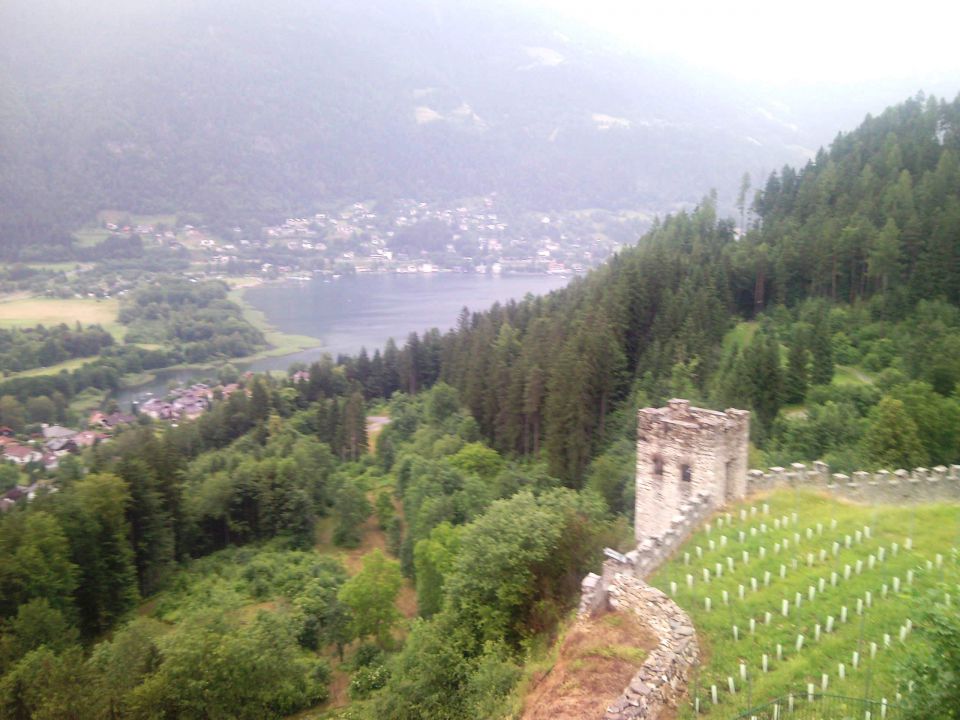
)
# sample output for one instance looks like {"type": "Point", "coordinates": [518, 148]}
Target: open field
{"type": "Point", "coordinates": [118, 216]}
{"type": "Point", "coordinates": [850, 375]}
{"type": "Point", "coordinates": [95, 233]}
{"type": "Point", "coordinates": [67, 365]}
{"type": "Point", "coordinates": [796, 589]}
{"type": "Point", "coordinates": [86, 401]}
{"type": "Point", "coordinates": [90, 236]}
{"type": "Point", "coordinates": [27, 312]}
{"type": "Point", "coordinates": [740, 335]}
{"type": "Point", "coordinates": [66, 267]}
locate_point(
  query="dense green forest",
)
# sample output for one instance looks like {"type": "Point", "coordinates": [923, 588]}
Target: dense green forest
{"type": "Point", "coordinates": [852, 260]}
{"type": "Point", "coordinates": [26, 348]}
{"type": "Point", "coordinates": [506, 465]}
{"type": "Point", "coordinates": [193, 320]}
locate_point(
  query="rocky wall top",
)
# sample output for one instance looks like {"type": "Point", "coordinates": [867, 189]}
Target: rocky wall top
{"type": "Point", "coordinates": [664, 674]}
{"type": "Point", "coordinates": [900, 486]}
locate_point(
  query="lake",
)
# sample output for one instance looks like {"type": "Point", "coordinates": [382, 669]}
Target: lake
{"type": "Point", "coordinates": [359, 311]}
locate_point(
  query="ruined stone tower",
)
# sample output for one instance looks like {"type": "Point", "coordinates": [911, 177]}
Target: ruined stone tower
{"type": "Point", "coordinates": [683, 451]}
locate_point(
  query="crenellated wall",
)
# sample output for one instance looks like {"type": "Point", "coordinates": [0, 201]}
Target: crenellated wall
{"type": "Point", "coordinates": [649, 554]}
{"type": "Point", "coordinates": [901, 486]}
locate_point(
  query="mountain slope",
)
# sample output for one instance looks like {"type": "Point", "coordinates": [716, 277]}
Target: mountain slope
{"type": "Point", "coordinates": [251, 110]}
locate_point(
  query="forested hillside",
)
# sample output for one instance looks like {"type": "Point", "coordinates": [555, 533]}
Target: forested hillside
{"type": "Point", "coordinates": [507, 462]}
{"type": "Point", "coordinates": [251, 114]}
{"type": "Point", "coordinates": [851, 260]}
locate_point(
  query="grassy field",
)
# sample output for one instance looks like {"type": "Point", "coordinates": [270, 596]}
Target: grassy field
{"type": "Point", "coordinates": [27, 312]}
{"type": "Point", "coordinates": [740, 335]}
{"type": "Point", "coordinates": [820, 580]}
{"type": "Point", "coordinates": [68, 365]}
{"type": "Point", "coordinates": [118, 216]}
{"type": "Point", "coordinates": [845, 375]}
{"type": "Point", "coordinates": [87, 401]}
{"type": "Point", "coordinates": [94, 234]}
{"type": "Point", "coordinates": [58, 266]}
{"type": "Point", "coordinates": [90, 236]}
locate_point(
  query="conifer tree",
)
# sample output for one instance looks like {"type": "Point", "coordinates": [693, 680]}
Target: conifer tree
{"type": "Point", "coordinates": [762, 366]}
{"type": "Point", "coordinates": [796, 377]}
{"type": "Point", "coordinates": [821, 350]}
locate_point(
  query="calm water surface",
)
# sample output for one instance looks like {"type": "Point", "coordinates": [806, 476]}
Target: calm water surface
{"type": "Point", "coordinates": [364, 311]}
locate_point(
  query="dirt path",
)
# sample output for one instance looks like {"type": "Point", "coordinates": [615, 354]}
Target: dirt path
{"type": "Point", "coordinates": [375, 425]}
{"type": "Point", "coordinates": [596, 661]}
{"type": "Point", "coordinates": [371, 538]}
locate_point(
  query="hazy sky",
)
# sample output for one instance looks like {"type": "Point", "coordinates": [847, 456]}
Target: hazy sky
{"type": "Point", "coordinates": [800, 42]}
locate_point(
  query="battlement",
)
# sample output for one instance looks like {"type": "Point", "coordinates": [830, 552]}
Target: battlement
{"type": "Point", "coordinates": [883, 486]}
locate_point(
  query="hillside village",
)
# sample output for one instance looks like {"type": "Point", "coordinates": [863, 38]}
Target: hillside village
{"type": "Point", "coordinates": [43, 450]}
{"type": "Point", "coordinates": [406, 236]}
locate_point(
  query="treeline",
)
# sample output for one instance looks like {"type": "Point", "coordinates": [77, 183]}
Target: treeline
{"type": "Point", "coordinates": [495, 428]}
{"type": "Point", "coordinates": [178, 321]}
{"type": "Point", "coordinates": [895, 406]}
{"type": "Point", "coordinates": [879, 212]}
{"type": "Point", "coordinates": [497, 550]}
{"type": "Point", "coordinates": [873, 221]}
{"type": "Point", "coordinates": [26, 348]}
{"type": "Point", "coordinates": [194, 319]}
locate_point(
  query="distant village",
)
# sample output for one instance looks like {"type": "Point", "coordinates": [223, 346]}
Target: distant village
{"type": "Point", "coordinates": [409, 236]}
{"type": "Point", "coordinates": [48, 447]}
{"type": "Point", "coordinates": [420, 237]}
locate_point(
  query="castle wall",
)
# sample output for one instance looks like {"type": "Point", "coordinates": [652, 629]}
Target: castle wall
{"type": "Point", "coordinates": [883, 487]}
{"type": "Point", "coordinates": [669, 508]}
{"type": "Point", "coordinates": [664, 674]}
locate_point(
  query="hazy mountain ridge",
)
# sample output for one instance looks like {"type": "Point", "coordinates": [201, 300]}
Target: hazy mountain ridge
{"type": "Point", "coordinates": [254, 112]}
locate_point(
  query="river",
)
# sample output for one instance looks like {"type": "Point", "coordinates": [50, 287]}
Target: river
{"type": "Point", "coordinates": [359, 311]}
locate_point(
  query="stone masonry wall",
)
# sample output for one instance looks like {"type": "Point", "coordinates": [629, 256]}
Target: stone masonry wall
{"type": "Point", "coordinates": [899, 487]}
{"type": "Point", "coordinates": [683, 451]}
{"type": "Point", "coordinates": [648, 556]}
{"type": "Point", "coordinates": [663, 676]}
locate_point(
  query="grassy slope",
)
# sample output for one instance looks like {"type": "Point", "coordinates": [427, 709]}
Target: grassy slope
{"type": "Point", "coordinates": [935, 529]}
{"type": "Point", "coordinates": [739, 335]}
{"type": "Point", "coordinates": [67, 365]}
{"type": "Point", "coordinates": [589, 666]}
{"type": "Point", "coordinates": [30, 311]}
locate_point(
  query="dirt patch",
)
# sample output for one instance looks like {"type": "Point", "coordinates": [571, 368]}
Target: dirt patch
{"type": "Point", "coordinates": [372, 538]}
{"type": "Point", "coordinates": [375, 425]}
{"type": "Point", "coordinates": [596, 661]}
{"type": "Point", "coordinates": [339, 687]}
{"type": "Point", "coordinates": [248, 613]}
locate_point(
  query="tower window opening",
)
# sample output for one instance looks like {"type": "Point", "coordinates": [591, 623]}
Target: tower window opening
{"type": "Point", "coordinates": [685, 473]}
{"type": "Point", "coordinates": [657, 465]}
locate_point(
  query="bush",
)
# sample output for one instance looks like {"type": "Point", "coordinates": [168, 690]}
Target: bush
{"type": "Point", "coordinates": [367, 679]}
{"type": "Point", "coordinates": [366, 655]}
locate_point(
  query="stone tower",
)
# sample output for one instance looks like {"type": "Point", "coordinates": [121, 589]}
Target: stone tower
{"type": "Point", "coordinates": [682, 451]}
